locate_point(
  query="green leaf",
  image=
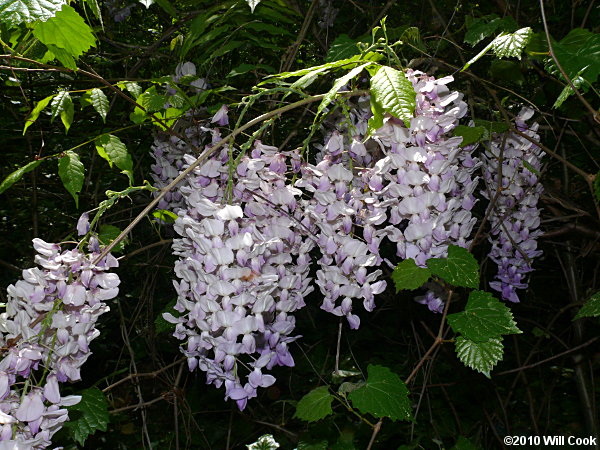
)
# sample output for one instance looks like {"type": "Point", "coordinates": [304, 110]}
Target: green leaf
{"type": "Point", "coordinates": [394, 92]}
{"type": "Point", "coordinates": [165, 215]}
{"type": "Point", "coordinates": [323, 68]}
{"type": "Point", "coordinates": [160, 324]}
{"type": "Point", "coordinates": [407, 275]}
{"type": "Point", "coordinates": [470, 135]}
{"type": "Point", "coordinates": [15, 12]}
{"type": "Point", "coordinates": [99, 102]}
{"type": "Point", "coordinates": [316, 445]}
{"type": "Point", "coordinates": [130, 86]}
{"type": "Point", "coordinates": [245, 68]}
{"type": "Point", "coordinates": [490, 127]}
{"type": "Point", "coordinates": [167, 7]}
{"type": "Point", "coordinates": [337, 85]}
{"type": "Point", "coordinates": [39, 107]}
{"type": "Point", "coordinates": [71, 173]}
{"type": "Point", "coordinates": [151, 100]}
{"type": "Point", "coordinates": [485, 317]}
{"type": "Point", "coordinates": [462, 443]}
{"type": "Point", "coordinates": [460, 268]}
{"type": "Point", "coordinates": [480, 356]}
{"type": "Point", "coordinates": [315, 405]}
{"type": "Point", "coordinates": [93, 415]}
{"type": "Point", "coordinates": [505, 45]}
{"type": "Point", "coordinates": [17, 174]}
{"type": "Point", "coordinates": [59, 103]}
{"type": "Point", "coordinates": [342, 47]}
{"type": "Point", "coordinates": [508, 45]}
{"type": "Point", "coordinates": [383, 395]}
{"type": "Point", "coordinates": [591, 307]}
{"type": "Point", "coordinates": [67, 113]}
{"type": "Point", "coordinates": [479, 29]}
{"type": "Point", "coordinates": [113, 150]}
{"type": "Point", "coordinates": [109, 233]}
{"type": "Point", "coordinates": [579, 55]}
{"type": "Point", "coordinates": [67, 31]}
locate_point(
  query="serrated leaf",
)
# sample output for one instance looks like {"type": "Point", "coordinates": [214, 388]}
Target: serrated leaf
{"type": "Point", "coordinates": [342, 47]}
{"type": "Point", "coordinates": [99, 102]}
{"type": "Point", "coordinates": [17, 175]}
{"type": "Point", "coordinates": [479, 29]}
{"type": "Point", "coordinates": [470, 135]}
{"type": "Point", "coordinates": [315, 405]}
{"type": "Point", "coordinates": [485, 317]}
{"type": "Point", "coordinates": [480, 356]}
{"type": "Point", "coordinates": [113, 150]}
{"type": "Point", "coordinates": [14, 12]}
{"type": "Point", "coordinates": [508, 45]}
{"type": "Point", "coordinates": [151, 100]}
{"type": "Point", "coordinates": [71, 173]}
{"type": "Point", "coordinates": [130, 86]}
{"type": "Point", "coordinates": [337, 85]}
{"type": "Point", "coordinates": [591, 308]}
{"type": "Point", "coordinates": [66, 31]}
{"type": "Point", "coordinates": [394, 92]}
{"type": "Point", "coordinates": [39, 107]}
{"type": "Point", "coordinates": [579, 54]}
{"type": "Point", "coordinates": [93, 409]}
{"type": "Point", "coordinates": [383, 395]}
{"type": "Point", "coordinates": [460, 268]}
{"type": "Point", "coordinates": [407, 275]}
{"type": "Point", "coordinates": [109, 233]}
{"type": "Point", "coordinates": [59, 103]}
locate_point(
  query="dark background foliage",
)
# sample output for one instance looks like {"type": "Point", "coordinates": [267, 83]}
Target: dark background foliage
{"type": "Point", "coordinates": [547, 381]}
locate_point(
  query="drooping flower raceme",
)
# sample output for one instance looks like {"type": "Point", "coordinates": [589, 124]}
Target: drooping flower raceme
{"type": "Point", "coordinates": [512, 163]}
{"type": "Point", "coordinates": [45, 335]}
{"type": "Point", "coordinates": [419, 180]}
{"type": "Point", "coordinates": [243, 270]}
{"type": "Point", "coordinates": [337, 209]}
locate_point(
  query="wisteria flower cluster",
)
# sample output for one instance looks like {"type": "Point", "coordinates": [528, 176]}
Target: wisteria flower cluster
{"type": "Point", "coordinates": [243, 270]}
{"type": "Point", "coordinates": [511, 168]}
{"type": "Point", "coordinates": [421, 188]}
{"type": "Point", "coordinates": [349, 250]}
{"type": "Point", "coordinates": [246, 229]}
{"type": "Point", "coordinates": [45, 338]}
